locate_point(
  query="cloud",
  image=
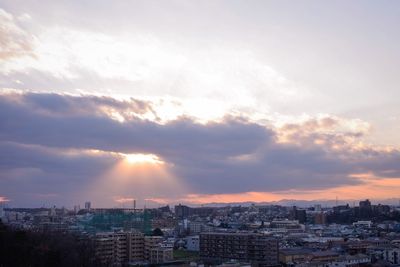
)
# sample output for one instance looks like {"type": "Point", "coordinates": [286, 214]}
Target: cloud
{"type": "Point", "coordinates": [124, 200]}
{"type": "Point", "coordinates": [3, 199]}
{"type": "Point", "coordinates": [14, 40]}
{"type": "Point", "coordinates": [69, 106]}
{"type": "Point", "coordinates": [331, 132]}
{"type": "Point", "coordinates": [25, 122]}
{"type": "Point", "coordinates": [30, 172]}
{"type": "Point", "coordinates": [149, 65]}
{"type": "Point", "coordinates": [67, 143]}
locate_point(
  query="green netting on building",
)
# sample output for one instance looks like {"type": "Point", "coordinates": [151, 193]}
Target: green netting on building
{"type": "Point", "coordinates": [117, 219]}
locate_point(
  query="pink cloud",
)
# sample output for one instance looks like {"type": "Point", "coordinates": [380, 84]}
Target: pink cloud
{"type": "Point", "coordinates": [123, 199]}
{"type": "Point", "coordinates": [4, 199]}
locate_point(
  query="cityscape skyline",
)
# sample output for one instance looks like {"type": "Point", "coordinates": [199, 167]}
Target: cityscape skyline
{"type": "Point", "coordinates": [195, 102]}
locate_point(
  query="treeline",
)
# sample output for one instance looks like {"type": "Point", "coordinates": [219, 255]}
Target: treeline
{"type": "Point", "coordinates": [19, 248]}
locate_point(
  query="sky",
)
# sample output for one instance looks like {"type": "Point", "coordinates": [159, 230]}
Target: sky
{"type": "Point", "coordinates": [196, 102]}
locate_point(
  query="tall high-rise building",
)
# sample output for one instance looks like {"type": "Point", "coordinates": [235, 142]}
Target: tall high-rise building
{"type": "Point", "coordinates": [182, 211]}
{"type": "Point", "coordinates": [366, 204]}
{"type": "Point", "coordinates": [298, 214]}
{"type": "Point", "coordinates": [1, 211]}
{"type": "Point", "coordinates": [317, 207]}
{"type": "Point", "coordinates": [88, 205]}
{"type": "Point", "coordinates": [365, 209]}
{"type": "Point", "coordinates": [77, 208]}
{"type": "Point", "coordinates": [52, 211]}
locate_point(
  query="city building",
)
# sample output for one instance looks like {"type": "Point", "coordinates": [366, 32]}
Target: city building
{"type": "Point", "coordinates": [392, 255]}
{"type": "Point", "coordinates": [110, 248]}
{"type": "Point", "coordinates": [135, 246]}
{"type": "Point", "coordinates": [77, 208]}
{"type": "Point", "coordinates": [351, 260]}
{"type": "Point", "coordinates": [117, 248]}
{"type": "Point", "coordinates": [317, 207]}
{"type": "Point", "coordinates": [1, 211]}
{"type": "Point", "coordinates": [151, 242]}
{"type": "Point", "coordinates": [298, 214]}
{"type": "Point", "coordinates": [88, 205]}
{"type": "Point", "coordinates": [320, 218]}
{"type": "Point", "coordinates": [193, 243]}
{"type": "Point", "coordinates": [286, 224]}
{"type": "Point", "coordinates": [323, 256]}
{"type": "Point", "coordinates": [182, 211]}
{"type": "Point", "coordinates": [367, 224]}
{"type": "Point", "coordinates": [195, 227]}
{"type": "Point", "coordinates": [160, 255]}
{"type": "Point", "coordinates": [52, 211]}
{"type": "Point", "coordinates": [259, 249]}
{"type": "Point", "coordinates": [290, 256]}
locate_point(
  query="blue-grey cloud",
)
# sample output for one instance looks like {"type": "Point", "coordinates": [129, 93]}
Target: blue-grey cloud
{"type": "Point", "coordinates": [34, 175]}
{"type": "Point", "coordinates": [39, 131]}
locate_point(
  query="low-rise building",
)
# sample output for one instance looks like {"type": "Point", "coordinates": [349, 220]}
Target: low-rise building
{"type": "Point", "coordinates": [351, 260]}
{"type": "Point", "coordinates": [290, 256]}
{"type": "Point", "coordinates": [161, 255]}
{"type": "Point", "coordinates": [193, 243]}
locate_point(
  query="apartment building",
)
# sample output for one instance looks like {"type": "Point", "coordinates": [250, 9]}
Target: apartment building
{"type": "Point", "coordinates": [117, 248]}
{"type": "Point", "coordinates": [151, 242]}
{"type": "Point", "coordinates": [256, 248]}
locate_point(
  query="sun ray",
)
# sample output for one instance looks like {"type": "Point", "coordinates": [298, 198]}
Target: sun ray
{"type": "Point", "coordinates": [142, 159]}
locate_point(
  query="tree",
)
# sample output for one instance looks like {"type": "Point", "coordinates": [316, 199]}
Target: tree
{"type": "Point", "coordinates": [157, 232]}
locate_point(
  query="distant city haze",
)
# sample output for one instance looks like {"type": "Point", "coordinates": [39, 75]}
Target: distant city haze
{"type": "Point", "coordinates": [198, 102]}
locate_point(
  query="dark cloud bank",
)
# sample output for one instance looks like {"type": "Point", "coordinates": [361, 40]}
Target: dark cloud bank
{"type": "Point", "coordinates": [43, 139]}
